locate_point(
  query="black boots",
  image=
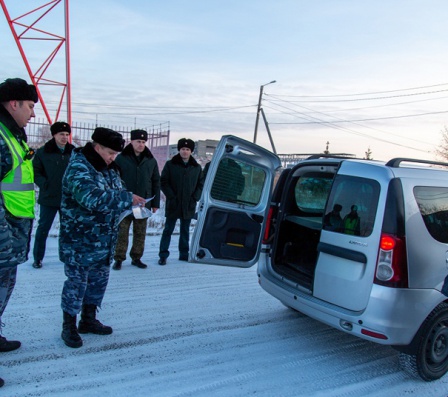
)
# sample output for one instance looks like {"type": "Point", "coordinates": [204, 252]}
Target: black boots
{"type": "Point", "coordinates": [8, 345]}
{"type": "Point", "coordinates": [89, 324]}
{"type": "Point", "coordinates": [117, 265]}
{"type": "Point", "coordinates": [37, 264]}
{"type": "Point", "coordinates": [139, 264]}
{"type": "Point", "coordinates": [69, 331]}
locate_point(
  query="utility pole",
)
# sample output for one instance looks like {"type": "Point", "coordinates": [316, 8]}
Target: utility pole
{"type": "Point", "coordinates": [259, 108]}
{"type": "Point", "coordinates": [269, 131]}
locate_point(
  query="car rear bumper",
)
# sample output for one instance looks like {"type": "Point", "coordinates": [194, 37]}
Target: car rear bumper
{"type": "Point", "coordinates": [392, 316]}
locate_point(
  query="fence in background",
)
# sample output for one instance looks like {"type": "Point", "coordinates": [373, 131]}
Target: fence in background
{"type": "Point", "coordinates": [38, 132]}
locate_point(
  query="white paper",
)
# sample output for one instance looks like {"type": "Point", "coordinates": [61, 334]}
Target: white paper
{"type": "Point", "coordinates": [139, 212]}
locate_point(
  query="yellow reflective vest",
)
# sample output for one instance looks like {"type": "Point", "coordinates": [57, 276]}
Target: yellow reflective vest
{"type": "Point", "coordinates": [17, 187]}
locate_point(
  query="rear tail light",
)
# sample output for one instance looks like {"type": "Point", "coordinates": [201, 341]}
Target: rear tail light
{"type": "Point", "coordinates": [267, 231]}
{"type": "Point", "coordinates": [391, 267]}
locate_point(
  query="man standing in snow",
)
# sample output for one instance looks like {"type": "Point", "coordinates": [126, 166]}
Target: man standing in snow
{"type": "Point", "coordinates": [140, 173]}
{"type": "Point", "coordinates": [92, 200]}
{"type": "Point", "coordinates": [49, 165]}
{"type": "Point", "coordinates": [181, 182]}
{"type": "Point", "coordinates": [17, 99]}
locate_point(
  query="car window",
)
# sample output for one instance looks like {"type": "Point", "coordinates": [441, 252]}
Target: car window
{"type": "Point", "coordinates": [433, 206]}
{"type": "Point", "coordinates": [238, 182]}
{"type": "Point", "coordinates": [311, 192]}
{"type": "Point", "coordinates": [352, 206]}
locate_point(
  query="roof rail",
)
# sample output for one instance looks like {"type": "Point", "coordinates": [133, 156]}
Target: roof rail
{"type": "Point", "coordinates": [330, 156]}
{"type": "Point", "coordinates": [395, 162]}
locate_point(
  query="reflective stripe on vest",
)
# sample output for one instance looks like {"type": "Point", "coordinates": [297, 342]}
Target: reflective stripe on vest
{"type": "Point", "coordinates": [17, 187]}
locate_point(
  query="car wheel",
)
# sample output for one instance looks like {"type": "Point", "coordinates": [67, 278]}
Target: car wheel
{"type": "Point", "coordinates": [430, 362]}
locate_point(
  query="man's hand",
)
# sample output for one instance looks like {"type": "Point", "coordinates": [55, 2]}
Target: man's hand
{"type": "Point", "coordinates": [137, 200]}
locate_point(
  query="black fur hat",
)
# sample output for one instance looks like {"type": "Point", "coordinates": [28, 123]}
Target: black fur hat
{"type": "Point", "coordinates": [60, 126]}
{"type": "Point", "coordinates": [109, 138]}
{"type": "Point", "coordinates": [139, 134]}
{"type": "Point", "coordinates": [185, 142]}
{"type": "Point", "coordinates": [17, 90]}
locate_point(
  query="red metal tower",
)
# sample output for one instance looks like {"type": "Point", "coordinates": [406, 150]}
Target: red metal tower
{"type": "Point", "coordinates": [30, 32]}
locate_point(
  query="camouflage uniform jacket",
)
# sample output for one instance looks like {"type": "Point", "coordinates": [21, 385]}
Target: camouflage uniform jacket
{"type": "Point", "coordinates": [93, 198]}
{"type": "Point", "coordinates": [14, 232]}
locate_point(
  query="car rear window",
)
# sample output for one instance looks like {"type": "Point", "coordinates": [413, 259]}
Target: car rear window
{"type": "Point", "coordinates": [238, 182]}
{"type": "Point", "coordinates": [352, 206]}
{"type": "Point", "coordinates": [433, 205]}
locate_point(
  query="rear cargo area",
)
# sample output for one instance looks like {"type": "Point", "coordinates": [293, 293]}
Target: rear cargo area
{"type": "Point", "coordinates": [299, 223]}
{"type": "Point", "coordinates": [295, 253]}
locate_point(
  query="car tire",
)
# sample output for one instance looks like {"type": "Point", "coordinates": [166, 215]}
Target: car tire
{"type": "Point", "coordinates": [430, 362]}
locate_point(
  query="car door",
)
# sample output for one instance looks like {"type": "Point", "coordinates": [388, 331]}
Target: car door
{"type": "Point", "coordinates": [234, 204]}
{"type": "Point", "coordinates": [347, 257]}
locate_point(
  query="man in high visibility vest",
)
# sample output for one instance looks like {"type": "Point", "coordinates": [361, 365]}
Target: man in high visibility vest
{"type": "Point", "coordinates": [17, 99]}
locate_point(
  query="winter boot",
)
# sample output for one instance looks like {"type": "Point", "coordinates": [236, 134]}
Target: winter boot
{"type": "Point", "coordinates": [69, 332]}
{"type": "Point", "coordinates": [139, 264]}
{"type": "Point", "coordinates": [2, 382]}
{"type": "Point", "coordinates": [89, 324]}
{"type": "Point", "coordinates": [8, 345]}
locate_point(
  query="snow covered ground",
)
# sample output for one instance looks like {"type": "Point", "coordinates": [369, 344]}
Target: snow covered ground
{"type": "Point", "coordinates": [188, 330]}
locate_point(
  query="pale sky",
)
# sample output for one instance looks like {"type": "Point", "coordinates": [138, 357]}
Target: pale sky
{"type": "Point", "coordinates": [359, 74]}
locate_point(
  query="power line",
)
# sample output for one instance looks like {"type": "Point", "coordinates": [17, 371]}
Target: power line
{"type": "Point", "coordinates": [366, 93]}
{"type": "Point", "coordinates": [371, 119]}
{"type": "Point", "coordinates": [149, 111]}
{"type": "Point", "coordinates": [375, 106]}
{"type": "Point", "coordinates": [360, 99]}
{"type": "Point", "coordinates": [162, 107]}
{"type": "Point", "coordinates": [355, 121]}
{"type": "Point", "coordinates": [333, 125]}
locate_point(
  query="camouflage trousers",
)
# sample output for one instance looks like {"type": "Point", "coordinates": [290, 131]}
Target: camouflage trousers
{"type": "Point", "coordinates": [15, 243]}
{"type": "Point", "coordinates": [14, 250]}
{"type": "Point", "coordinates": [8, 277]}
{"type": "Point", "coordinates": [138, 239]}
{"type": "Point", "coordinates": [84, 285]}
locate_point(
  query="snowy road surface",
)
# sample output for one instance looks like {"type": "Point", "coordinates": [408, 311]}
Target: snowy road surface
{"type": "Point", "coordinates": [188, 330]}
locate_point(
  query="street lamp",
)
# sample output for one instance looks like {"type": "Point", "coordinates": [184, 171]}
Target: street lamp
{"type": "Point", "coordinates": [259, 107]}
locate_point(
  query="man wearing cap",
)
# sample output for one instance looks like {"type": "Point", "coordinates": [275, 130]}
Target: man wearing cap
{"type": "Point", "coordinates": [181, 183]}
{"type": "Point", "coordinates": [49, 165]}
{"type": "Point", "coordinates": [93, 198]}
{"type": "Point", "coordinates": [17, 99]}
{"type": "Point", "coordinates": [140, 174]}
